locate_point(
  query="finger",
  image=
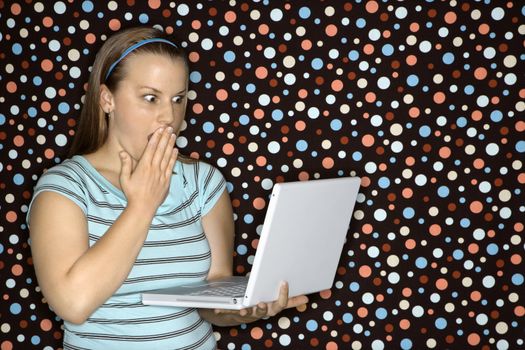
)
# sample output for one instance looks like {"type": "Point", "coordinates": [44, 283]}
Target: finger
{"type": "Point", "coordinates": [297, 301]}
{"type": "Point", "coordinates": [125, 166]}
{"type": "Point", "coordinates": [282, 301]}
{"type": "Point", "coordinates": [151, 146]}
{"type": "Point", "coordinates": [171, 165]}
{"type": "Point", "coordinates": [168, 153]}
{"type": "Point", "coordinates": [161, 147]}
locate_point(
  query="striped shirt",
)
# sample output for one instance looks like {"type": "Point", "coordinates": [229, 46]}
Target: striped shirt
{"type": "Point", "coordinates": [175, 251]}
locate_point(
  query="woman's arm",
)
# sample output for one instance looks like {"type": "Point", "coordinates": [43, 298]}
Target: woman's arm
{"type": "Point", "coordinates": [75, 278]}
{"type": "Point", "coordinates": [219, 228]}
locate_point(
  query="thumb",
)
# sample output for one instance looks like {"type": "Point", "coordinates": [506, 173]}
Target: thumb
{"type": "Point", "coordinates": [125, 169]}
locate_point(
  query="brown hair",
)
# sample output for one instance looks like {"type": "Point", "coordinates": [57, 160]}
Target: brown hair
{"type": "Point", "coordinates": [92, 129]}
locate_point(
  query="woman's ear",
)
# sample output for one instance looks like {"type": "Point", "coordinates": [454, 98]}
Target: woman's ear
{"type": "Point", "coordinates": [106, 99]}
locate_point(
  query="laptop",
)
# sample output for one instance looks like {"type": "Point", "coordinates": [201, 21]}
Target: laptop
{"type": "Point", "coordinates": [301, 242]}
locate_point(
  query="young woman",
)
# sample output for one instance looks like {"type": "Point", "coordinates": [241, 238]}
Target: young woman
{"type": "Point", "coordinates": [126, 213]}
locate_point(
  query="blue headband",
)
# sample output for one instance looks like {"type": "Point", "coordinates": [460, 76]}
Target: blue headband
{"type": "Point", "coordinates": [136, 46]}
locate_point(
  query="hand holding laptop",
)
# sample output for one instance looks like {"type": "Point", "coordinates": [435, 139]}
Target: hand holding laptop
{"type": "Point", "coordinates": [262, 310]}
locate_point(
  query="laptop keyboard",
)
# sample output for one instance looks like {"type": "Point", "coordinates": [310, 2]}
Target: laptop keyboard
{"type": "Point", "coordinates": [236, 289]}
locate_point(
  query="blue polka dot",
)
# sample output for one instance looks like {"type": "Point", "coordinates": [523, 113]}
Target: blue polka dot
{"type": "Point", "coordinates": [441, 323]}
{"type": "Point", "coordinates": [229, 56]}
{"type": "Point", "coordinates": [336, 125]}
{"type": "Point", "coordinates": [17, 48]}
{"type": "Point", "coordinates": [277, 114]}
{"type": "Point", "coordinates": [304, 12]}
{"type": "Point", "coordinates": [15, 308]}
{"type": "Point", "coordinates": [311, 325]}
{"type": "Point", "coordinates": [301, 145]}
{"type": "Point", "coordinates": [208, 127]}
{"type": "Point", "coordinates": [18, 179]}
{"type": "Point", "coordinates": [87, 6]}
{"type": "Point", "coordinates": [421, 262]}
{"type": "Point", "coordinates": [195, 77]}
{"type": "Point", "coordinates": [517, 279]}
{"type": "Point", "coordinates": [317, 63]}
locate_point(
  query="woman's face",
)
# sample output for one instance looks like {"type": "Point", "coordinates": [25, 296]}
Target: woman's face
{"type": "Point", "coordinates": [153, 94]}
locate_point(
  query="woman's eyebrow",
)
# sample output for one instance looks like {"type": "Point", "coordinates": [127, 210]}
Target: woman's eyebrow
{"type": "Point", "coordinates": [158, 91]}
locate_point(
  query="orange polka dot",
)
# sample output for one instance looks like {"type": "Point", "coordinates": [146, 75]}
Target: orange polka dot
{"type": "Point", "coordinates": [230, 16]}
{"type": "Point", "coordinates": [47, 22]}
{"type": "Point", "coordinates": [221, 94]}
{"type": "Point", "coordinates": [473, 339]}
{"type": "Point", "coordinates": [194, 57]}
{"type": "Point", "coordinates": [370, 97]}
{"type": "Point", "coordinates": [261, 72]}
{"type": "Point", "coordinates": [331, 345]}
{"type": "Point", "coordinates": [475, 295]}
{"type": "Point", "coordinates": [90, 38]}
{"type": "Point", "coordinates": [196, 24]}
{"type": "Point", "coordinates": [11, 87]}
{"type": "Point", "coordinates": [372, 6]}
{"type": "Point", "coordinates": [476, 115]}
{"type": "Point", "coordinates": [331, 30]}
{"type": "Point", "coordinates": [6, 345]}
{"type": "Point", "coordinates": [404, 324]}
{"type": "Point", "coordinates": [368, 140]}
{"type": "Point", "coordinates": [435, 230]}
{"type": "Point", "coordinates": [411, 60]}
{"type": "Point", "coordinates": [476, 207]}
{"type": "Point", "coordinates": [368, 49]}
{"type": "Point", "coordinates": [328, 163]}
{"type": "Point", "coordinates": [480, 73]}
{"type": "Point", "coordinates": [228, 148]}
{"type": "Point", "coordinates": [450, 17]}
{"type": "Point", "coordinates": [413, 112]}
{"type": "Point", "coordinates": [306, 45]}
{"type": "Point", "coordinates": [154, 4]}
{"type": "Point", "coordinates": [261, 160]}
{"type": "Point", "coordinates": [46, 325]}
{"type": "Point", "coordinates": [367, 229]}
{"type": "Point", "coordinates": [439, 97]}
{"type": "Point", "coordinates": [16, 9]}
{"type": "Point", "coordinates": [264, 29]}
{"type": "Point", "coordinates": [337, 85]}
{"type": "Point", "coordinates": [365, 271]}
{"type": "Point", "coordinates": [300, 125]}
{"type": "Point", "coordinates": [49, 153]}
{"type": "Point", "coordinates": [441, 284]}
{"type": "Point", "coordinates": [46, 65]}
{"type": "Point", "coordinates": [407, 193]}
{"type": "Point", "coordinates": [519, 311]}
{"type": "Point", "coordinates": [484, 28]}
{"type": "Point", "coordinates": [258, 113]}
{"type": "Point", "coordinates": [325, 294]}
{"type": "Point", "coordinates": [410, 244]}
{"type": "Point", "coordinates": [17, 269]}
{"type": "Point", "coordinates": [259, 203]}
{"type": "Point", "coordinates": [198, 108]}
{"type": "Point", "coordinates": [444, 152]}
{"type": "Point", "coordinates": [114, 24]}
{"type": "Point", "coordinates": [362, 312]}
{"type": "Point", "coordinates": [11, 216]}
{"type": "Point", "coordinates": [18, 140]}
{"type": "Point", "coordinates": [256, 333]}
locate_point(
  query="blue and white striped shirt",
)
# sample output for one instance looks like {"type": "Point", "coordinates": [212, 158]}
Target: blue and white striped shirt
{"type": "Point", "coordinates": [175, 251]}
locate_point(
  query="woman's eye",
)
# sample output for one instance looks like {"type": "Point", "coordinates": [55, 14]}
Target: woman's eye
{"type": "Point", "coordinates": [150, 98]}
{"type": "Point", "coordinates": [177, 99]}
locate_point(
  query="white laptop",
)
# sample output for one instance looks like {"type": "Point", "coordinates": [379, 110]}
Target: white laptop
{"type": "Point", "coordinates": [302, 238]}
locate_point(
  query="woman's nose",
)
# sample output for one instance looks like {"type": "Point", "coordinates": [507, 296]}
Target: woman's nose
{"type": "Point", "coordinates": [166, 114]}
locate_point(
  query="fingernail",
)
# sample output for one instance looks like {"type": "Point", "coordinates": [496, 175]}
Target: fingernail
{"type": "Point", "coordinates": [170, 129]}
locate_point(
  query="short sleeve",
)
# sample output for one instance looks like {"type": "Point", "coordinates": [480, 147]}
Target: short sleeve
{"type": "Point", "coordinates": [211, 185]}
{"type": "Point", "coordinates": [63, 181]}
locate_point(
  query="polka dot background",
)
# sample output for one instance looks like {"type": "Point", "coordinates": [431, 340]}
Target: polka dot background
{"type": "Point", "coordinates": [424, 100]}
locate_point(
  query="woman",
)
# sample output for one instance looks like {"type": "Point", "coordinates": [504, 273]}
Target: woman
{"type": "Point", "coordinates": [126, 214]}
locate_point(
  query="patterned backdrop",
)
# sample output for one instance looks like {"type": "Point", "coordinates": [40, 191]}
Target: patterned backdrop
{"type": "Point", "coordinates": [424, 100]}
